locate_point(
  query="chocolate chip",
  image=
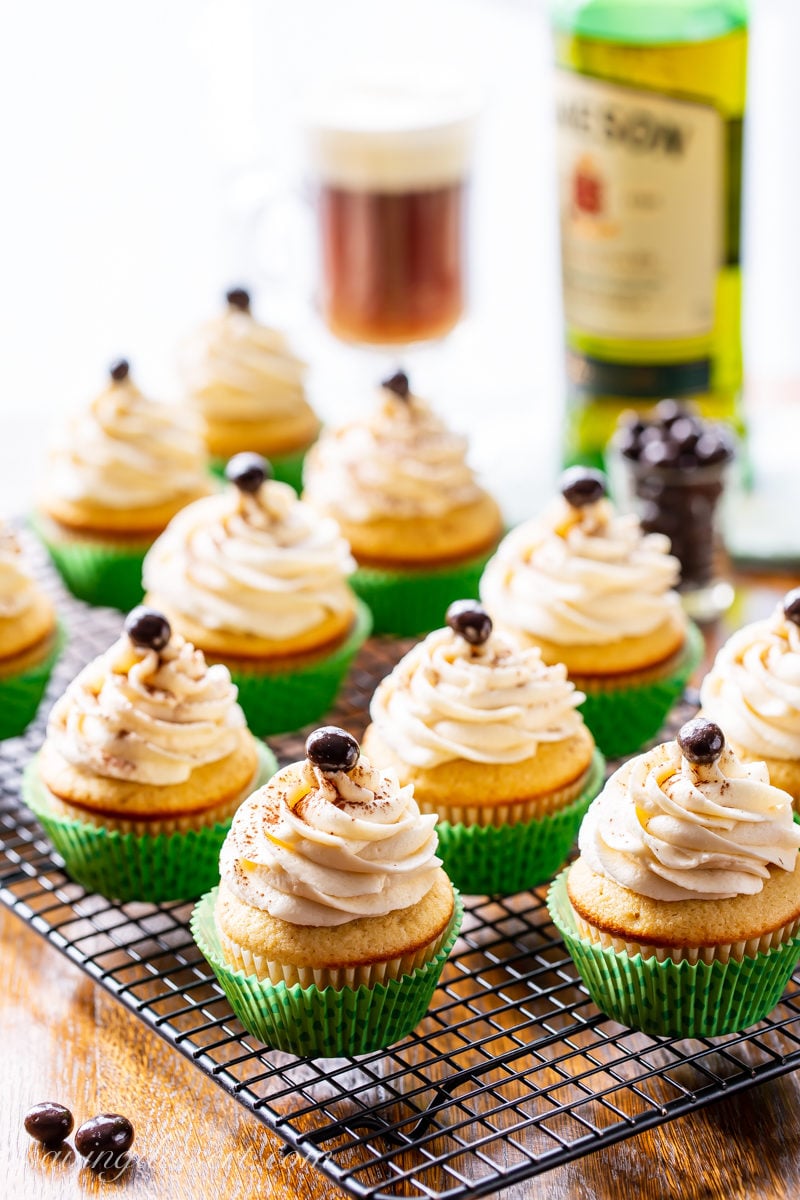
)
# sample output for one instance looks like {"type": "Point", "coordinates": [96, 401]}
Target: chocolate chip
{"type": "Point", "coordinates": [791, 606]}
{"type": "Point", "coordinates": [108, 1133]}
{"type": "Point", "coordinates": [470, 621]}
{"type": "Point", "coordinates": [332, 749]}
{"type": "Point", "coordinates": [119, 369]}
{"type": "Point", "coordinates": [397, 383]}
{"type": "Point", "coordinates": [701, 741]}
{"type": "Point", "coordinates": [49, 1123]}
{"type": "Point", "coordinates": [148, 628]}
{"type": "Point", "coordinates": [238, 297]}
{"type": "Point", "coordinates": [248, 471]}
{"type": "Point", "coordinates": [581, 486]}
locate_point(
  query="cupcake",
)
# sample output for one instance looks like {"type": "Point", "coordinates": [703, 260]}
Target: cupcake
{"type": "Point", "coordinates": [419, 525]}
{"type": "Point", "coordinates": [258, 580]}
{"type": "Point", "coordinates": [753, 692]}
{"type": "Point", "coordinates": [333, 917]}
{"type": "Point", "coordinates": [682, 913]}
{"type": "Point", "coordinates": [249, 390]}
{"type": "Point", "coordinates": [590, 589]}
{"type": "Point", "coordinates": [30, 639]}
{"type": "Point", "coordinates": [122, 469]}
{"type": "Point", "coordinates": [147, 757]}
{"type": "Point", "coordinates": [493, 743]}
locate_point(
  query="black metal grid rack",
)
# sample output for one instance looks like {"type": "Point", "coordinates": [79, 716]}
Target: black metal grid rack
{"type": "Point", "coordinates": [512, 1072]}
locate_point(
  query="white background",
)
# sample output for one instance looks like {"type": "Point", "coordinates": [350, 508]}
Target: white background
{"type": "Point", "coordinates": [136, 139]}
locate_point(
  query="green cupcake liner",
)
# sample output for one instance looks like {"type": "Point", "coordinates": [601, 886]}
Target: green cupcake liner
{"type": "Point", "coordinates": [287, 468]}
{"type": "Point", "coordinates": [99, 572]}
{"type": "Point", "coordinates": [498, 860]}
{"type": "Point", "coordinates": [128, 866]}
{"type": "Point", "coordinates": [623, 719]}
{"type": "Point", "coordinates": [322, 1022]}
{"type": "Point", "coordinates": [413, 602]}
{"type": "Point", "coordinates": [668, 999]}
{"type": "Point", "coordinates": [283, 700]}
{"type": "Point", "coordinates": [21, 695]}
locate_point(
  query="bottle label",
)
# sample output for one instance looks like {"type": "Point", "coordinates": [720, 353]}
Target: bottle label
{"type": "Point", "coordinates": [641, 210]}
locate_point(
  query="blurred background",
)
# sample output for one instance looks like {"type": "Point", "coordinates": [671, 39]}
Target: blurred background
{"type": "Point", "coordinates": [151, 159]}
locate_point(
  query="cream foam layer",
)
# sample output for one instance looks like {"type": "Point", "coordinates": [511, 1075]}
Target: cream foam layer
{"type": "Point", "coordinates": [235, 369]}
{"type": "Point", "coordinates": [582, 577]}
{"type": "Point", "coordinates": [668, 830]}
{"type": "Point", "coordinates": [495, 703]}
{"type": "Point", "coordinates": [266, 565]}
{"type": "Point", "coordinates": [317, 849]}
{"type": "Point", "coordinates": [400, 461]}
{"type": "Point", "coordinates": [125, 451]}
{"type": "Point", "coordinates": [145, 716]}
{"type": "Point", "coordinates": [753, 689]}
{"type": "Point", "coordinates": [18, 589]}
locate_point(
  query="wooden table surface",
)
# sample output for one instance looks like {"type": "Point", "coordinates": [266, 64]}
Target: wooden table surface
{"type": "Point", "coordinates": [63, 1038]}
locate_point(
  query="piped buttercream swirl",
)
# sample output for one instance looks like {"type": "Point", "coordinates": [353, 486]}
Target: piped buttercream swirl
{"type": "Point", "coordinates": [313, 848]}
{"type": "Point", "coordinates": [492, 703]}
{"type": "Point", "coordinates": [18, 589]}
{"type": "Point", "coordinates": [582, 577]}
{"type": "Point", "coordinates": [665, 829]}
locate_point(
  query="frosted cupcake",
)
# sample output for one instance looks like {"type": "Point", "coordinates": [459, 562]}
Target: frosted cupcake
{"type": "Point", "coordinates": [30, 640]}
{"type": "Point", "coordinates": [258, 580]}
{"type": "Point", "coordinates": [249, 390]}
{"type": "Point", "coordinates": [147, 758]}
{"type": "Point", "coordinates": [121, 469]}
{"type": "Point", "coordinates": [587, 587]}
{"type": "Point", "coordinates": [333, 917]}
{"type": "Point", "coordinates": [493, 743]}
{"type": "Point", "coordinates": [419, 524]}
{"type": "Point", "coordinates": [683, 911]}
{"type": "Point", "coordinates": [753, 692]}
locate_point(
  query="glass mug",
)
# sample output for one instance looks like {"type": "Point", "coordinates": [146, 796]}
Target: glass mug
{"type": "Point", "coordinates": [389, 167]}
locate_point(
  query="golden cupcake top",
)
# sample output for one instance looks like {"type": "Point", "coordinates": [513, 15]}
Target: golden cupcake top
{"type": "Point", "coordinates": [399, 461]}
{"type": "Point", "coordinates": [253, 559]}
{"type": "Point", "coordinates": [469, 692]}
{"type": "Point", "coordinates": [126, 451]}
{"type": "Point", "coordinates": [753, 688]}
{"type": "Point", "coordinates": [149, 710]}
{"type": "Point", "coordinates": [688, 820]}
{"type": "Point", "coordinates": [236, 369]}
{"type": "Point", "coordinates": [330, 839]}
{"type": "Point", "coordinates": [18, 588]}
{"type": "Point", "coordinates": [582, 574]}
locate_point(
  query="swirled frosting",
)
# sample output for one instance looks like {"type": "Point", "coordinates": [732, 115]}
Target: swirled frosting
{"type": "Point", "coordinates": [321, 849]}
{"type": "Point", "coordinates": [125, 451]}
{"type": "Point", "coordinates": [753, 688]}
{"type": "Point", "coordinates": [399, 461]}
{"type": "Point", "coordinates": [265, 564]}
{"type": "Point", "coordinates": [236, 369]}
{"type": "Point", "coordinates": [18, 589]}
{"type": "Point", "coordinates": [666, 829]}
{"type": "Point", "coordinates": [582, 577]}
{"type": "Point", "coordinates": [147, 716]}
{"type": "Point", "coordinates": [493, 703]}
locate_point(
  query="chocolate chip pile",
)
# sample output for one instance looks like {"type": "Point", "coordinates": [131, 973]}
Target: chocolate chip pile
{"type": "Point", "coordinates": [677, 462]}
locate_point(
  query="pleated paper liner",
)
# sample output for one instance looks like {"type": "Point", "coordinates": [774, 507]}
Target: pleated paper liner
{"type": "Point", "coordinates": [96, 570]}
{"type": "Point", "coordinates": [408, 603]}
{"type": "Point", "coordinates": [282, 700]}
{"type": "Point", "coordinates": [129, 866]}
{"type": "Point", "coordinates": [669, 999]}
{"type": "Point", "coordinates": [623, 719]}
{"type": "Point", "coordinates": [323, 1022]}
{"type": "Point", "coordinates": [498, 860]}
{"type": "Point", "coordinates": [287, 468]}
{"type": "Point", "coordinates": [21, 695]}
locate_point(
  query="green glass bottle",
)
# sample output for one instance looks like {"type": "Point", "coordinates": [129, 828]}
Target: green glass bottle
{"type": "Point", "coordinates": [650, 109]}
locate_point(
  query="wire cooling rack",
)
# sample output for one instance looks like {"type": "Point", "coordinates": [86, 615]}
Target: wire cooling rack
{"type": "Point", "coordinates": [512, 1072]}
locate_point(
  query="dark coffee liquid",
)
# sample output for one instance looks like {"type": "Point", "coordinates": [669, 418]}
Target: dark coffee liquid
{"type": "Point", "coordinates": [392, 263]}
